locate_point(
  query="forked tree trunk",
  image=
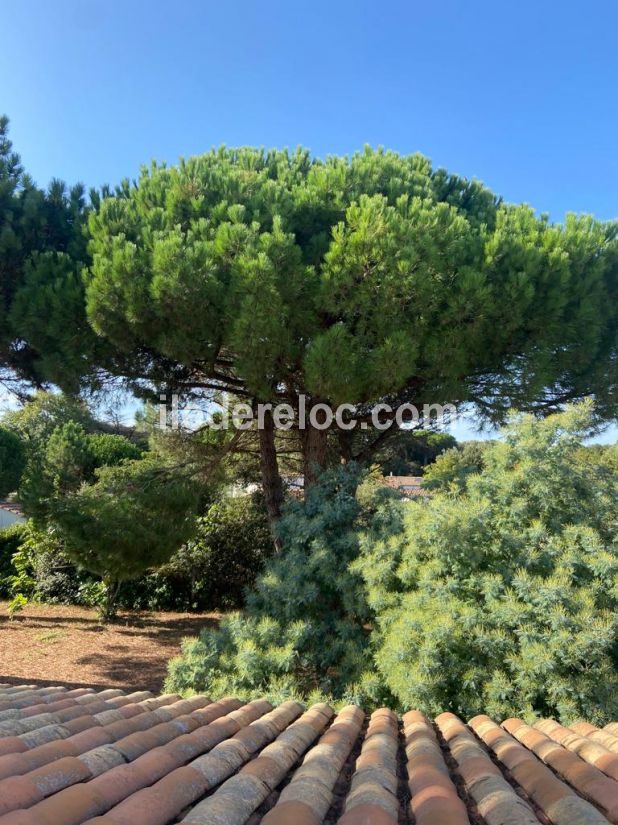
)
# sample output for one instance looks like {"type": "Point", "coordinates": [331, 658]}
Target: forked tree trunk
{"type": "Point", "coordinates": [271, 480]}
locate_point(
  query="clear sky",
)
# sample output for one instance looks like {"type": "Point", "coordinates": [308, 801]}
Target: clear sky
{"type": "Point", "coordinates": [522, 95]}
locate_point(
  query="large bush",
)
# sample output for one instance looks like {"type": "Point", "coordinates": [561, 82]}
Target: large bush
{"type": "Point", "coordinates": [210, 571]}
{"type": "Point", "coordinates": [35, 567]}
{"type": "Point", "coordinates": [132, 518]}
{"type": "Point", "coordinates": [499, 594]}
{"type": "Point", "coordinates": [213, 569]}
{"type": "Point", "coordinates": [503, 597]}
{"type": "Point", "coordinates": [305, 626]}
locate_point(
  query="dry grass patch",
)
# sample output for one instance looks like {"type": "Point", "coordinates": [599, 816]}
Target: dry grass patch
{"type": "Point", "coordinates": [68, 645]}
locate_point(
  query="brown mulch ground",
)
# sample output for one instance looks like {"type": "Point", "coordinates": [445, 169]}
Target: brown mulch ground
{"type": "Point", "coordinates": [57, 645]}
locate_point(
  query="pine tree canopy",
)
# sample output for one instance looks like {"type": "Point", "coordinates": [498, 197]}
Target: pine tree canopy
{"type": "Point", "coordinates": [44, 334]}
{"type": "Point", "coordinates": [354, 279]}
{"type": "Point", "coordinates": [271, 275]}
{"type": "Point", "coordinates": [358, 280]}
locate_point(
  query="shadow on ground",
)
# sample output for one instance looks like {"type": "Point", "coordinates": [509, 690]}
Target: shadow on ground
{"type": "Point", "coordinates": [60, 645]}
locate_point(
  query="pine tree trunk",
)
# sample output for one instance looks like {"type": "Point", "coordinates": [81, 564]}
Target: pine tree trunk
{"type": "Point", "coordinates": [108, 608]}
{"type": "Point", "coordinates": [271, 480]}
{"type": "Point", "coordinates": [314, 453]}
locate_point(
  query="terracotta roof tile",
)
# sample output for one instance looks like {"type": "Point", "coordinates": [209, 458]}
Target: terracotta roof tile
{"type": "Point", "coordinates": [69, 757]}
{"type": "Point", "coordinates": [587, 780]}
{"type": "Point", "coordinates": [434, 798]}
{"type": "Point", "coordinates": [554, 798]}
{"type": "Point", "coordinates": [589, 750]}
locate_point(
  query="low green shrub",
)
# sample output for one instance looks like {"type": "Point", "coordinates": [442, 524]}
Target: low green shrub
{"type": "Point", "coordinates": [39, 569]}
{"type": "Point", "coordinates": [305, 627]}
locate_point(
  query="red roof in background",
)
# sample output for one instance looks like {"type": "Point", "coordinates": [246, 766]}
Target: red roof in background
{"type": "Point", "coordinates": [409, 486]}
{"type": "Point", "coordinates": [12, 507]}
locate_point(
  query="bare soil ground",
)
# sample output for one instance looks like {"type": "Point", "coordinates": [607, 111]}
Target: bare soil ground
{"type": "Point", "coordinates": [58, 645]}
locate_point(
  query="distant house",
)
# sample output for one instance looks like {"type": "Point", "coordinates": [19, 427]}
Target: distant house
{"type": "Point", "coordinates": [292, 484]}
{"type": "Point", "coordinates": [10, 514]}
{"type": "Point", "coordinates": [295, 484]}
{"type": "Point", "coordinates": [409, 486]}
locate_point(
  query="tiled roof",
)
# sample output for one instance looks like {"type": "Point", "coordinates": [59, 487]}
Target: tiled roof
{"type": "Point", "coordinates": [76, 756]}
{"type": "Point", "coordinates": [12, 507]}
{"type": "Point", "coordinates": [409, 486]}
{"type": "Point", "coordinates": [403, 481]}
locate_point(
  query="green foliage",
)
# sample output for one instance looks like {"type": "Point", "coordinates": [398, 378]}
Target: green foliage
{"type": "Point", "coordinates": [20, 582]}
{"type": "Point", "coordinates": [603, 457]}
{"type": "Point", "coordinates": [410, 452]}
{"type": "Point", "coordinates": [36, 420]}
{"type": "Point", "coordinates": [41, 571]}
{"type": "Point", "coordinates": [108, 450]}
{"type": "Point", "coordinates": [502, 597]}
{"type": "Point", "coordinates": [215, 567]}
{"type": "Point", "coordinates": [304, 628]}
{"type": "Point", "coordinates": [212, 570]}
{"type": "Point", "coordinates": [67, 457]}
{"type": "Point", "coordinates": [54, 467]}
{"type": "Point", "coordinates": [10, 541]}
{"type": "Point", "coordinates": [62, 457]}
{"type": "Point", "coordinates": [101, 506]}
{"type": "Point", "coordinates": [12, 461]}
{"type": "Point", "coordinates": [499, 594]}
{"type": "Point", "coordinates": [44, 334]}
{"type": "Point", "coordinates": [131, 518]}
{"type": "Point", "coordinates": [452, 468]}
{"type": "Point", "coordinates": [112, 510]}
{"type": "Point", "coordinates": [17, 604]}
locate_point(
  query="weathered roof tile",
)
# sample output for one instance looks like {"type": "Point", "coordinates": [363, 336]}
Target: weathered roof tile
{"type": "Point", "coordinates": [71, 757]}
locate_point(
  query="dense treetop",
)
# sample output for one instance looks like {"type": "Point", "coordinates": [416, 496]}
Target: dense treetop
{"type": "Point", "coordinates": [352, 279]}
{"type": "Point", "coordinates": [44, 334]}
{"type": "Point", "coordinates": [268, 275]}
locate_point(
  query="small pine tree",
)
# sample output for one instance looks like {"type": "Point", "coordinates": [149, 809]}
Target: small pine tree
{"type": "Point", "coordinates": [68, 457]}
{"type": "Point", "coordinates": [132, 518]}
{"type": "Point", "coordinates": [305, 629]}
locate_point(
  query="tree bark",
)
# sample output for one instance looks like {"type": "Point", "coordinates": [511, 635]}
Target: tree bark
{"type": "Point", "coordinates": [271, 480]}
{"type": "Point", "coordinates": [314, 453]}
{"type": "Point", "coordinates": [109, 606]}
{"type": "Point", "coordinates": [344, 438]}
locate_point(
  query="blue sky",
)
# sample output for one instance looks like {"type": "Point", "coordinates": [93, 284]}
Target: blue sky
{"type": "Point", "coordinates": [520, 95]}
